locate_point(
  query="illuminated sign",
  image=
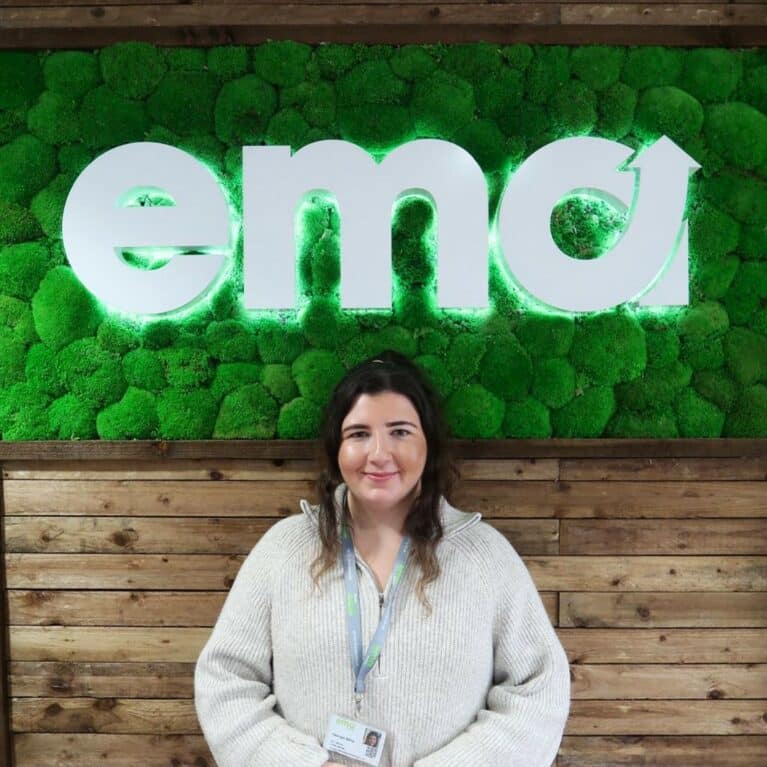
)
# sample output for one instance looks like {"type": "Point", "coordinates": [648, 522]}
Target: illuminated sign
{"type": "Point", "coordinates": [648, 264]}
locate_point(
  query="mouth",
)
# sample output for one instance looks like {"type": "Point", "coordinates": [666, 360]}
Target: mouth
{"type": "Point", "coordinates": [380, 476]}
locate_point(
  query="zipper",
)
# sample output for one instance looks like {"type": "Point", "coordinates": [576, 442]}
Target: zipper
{"type": "Point", "coordinates": [364, 565]}
{"type": "Point", "coordinates": [380, 613]}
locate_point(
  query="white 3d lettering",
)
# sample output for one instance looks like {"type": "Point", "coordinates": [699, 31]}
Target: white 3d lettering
{"type": "Point", "coordinates": [648, 264]}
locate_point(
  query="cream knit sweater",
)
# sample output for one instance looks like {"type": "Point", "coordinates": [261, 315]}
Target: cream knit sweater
{"type": "Point", "coordinates": [482, 682]}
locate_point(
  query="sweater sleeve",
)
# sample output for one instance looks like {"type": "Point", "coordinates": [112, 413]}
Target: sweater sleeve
{"type": "Point", "coordinates": [528, 704]}
{"type": "Point", "coordinates": [233, 676]}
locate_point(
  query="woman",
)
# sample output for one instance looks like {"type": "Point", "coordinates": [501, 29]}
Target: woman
{"type": "Point", "coordinates": [383, 608]}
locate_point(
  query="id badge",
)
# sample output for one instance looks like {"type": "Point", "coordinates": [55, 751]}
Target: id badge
{"type": "Point", "coordinates": [354, 739]}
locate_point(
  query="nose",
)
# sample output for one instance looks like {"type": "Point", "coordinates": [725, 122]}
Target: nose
{"type": "Point", "coordinates": [380, 449]}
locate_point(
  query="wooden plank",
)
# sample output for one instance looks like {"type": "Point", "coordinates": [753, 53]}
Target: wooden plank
{"type": "Point", "coordinates": [675, 751]}
{"type": "Point", "coordinates": [97, 750]}
{"type": "Point", "coordinates": [664, 645]}
{"type": "Point", "coordinates": [83, 643]}
{"type": "Point", "coordinates": [663, 469]}
{"type": "Point", "coordinates": [668, 536]}
{"type": "Point", "coordinates": [654, 610]}
{"type": "Point", "coordinates": [102, 680]}
{"type": "Point", "coordinates": [669, 14]}
{"type": "Point", "coordinates": [169, 572]}
{"type": "Point", "coordinates": [6, 752]}
{"type": "Point", "coordinates": [667, 717]}
{"type": "Point", "coordinates": [108, 715]}
{"type": "Point", "coordinates": [611, 681]}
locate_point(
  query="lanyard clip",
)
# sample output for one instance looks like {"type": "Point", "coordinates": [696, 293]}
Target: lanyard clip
{"type": "Point", "coordinates": [357, 702]}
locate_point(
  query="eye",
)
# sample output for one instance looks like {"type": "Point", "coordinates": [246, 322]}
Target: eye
{"type": "Point", "coordinates": [401, 432]}
{"type": "Point", "coordinates": [356, 435]}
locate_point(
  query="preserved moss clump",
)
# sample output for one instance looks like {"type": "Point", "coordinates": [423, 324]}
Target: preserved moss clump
{"type": "Point", "coordinates": [16, 320]}
{"type": "Point", "coordinates": [12, 353]}
{"type": "Point", "coordinates": [739, 133]}
{"type": "Point", "coordinates": [54, 119]}
{"type": "Point", "coordinates": [748, 414]}
{"type": "Point", "coordinates": [117, 337]}
{"type": "Point", "coordinates": [549, 71]}
{"type": "Point", "coordinates": [573, 109]}
{"type": "Point", "coordinates": [21, 78]}
{"type": "Point", "coordinates": [63, 309]}
{"type": "Point", "coordinates": [599, 66]}
{"type": "Point", "coordinates": [316, 101]}
{"type": "Point", "coordinates": [473, 412]}
{"type": "Point", "coordinates": [278, 381]}
{"type": "Point", "coordinates": [546, 335]}
{"type": "Point", "coordinates": [742, 196]}
{"type": "Point", "coordinates": [184, 102]}
{"type": "Point", "coordinates": [91, 373]}
{"type": "Point", "coordinates": [247, 413]}
{"type": "Point", "coordinates": [186, 367]}
{"type": "Point", "coordinates": [518, 55]}
{"type": "Point", "coordinates": [392, 337]}
{"type": "Point", "coordinates": [483, 140]}
{"type": "Point", "coordinates": [585, 227]}
{"type": "Point", "coordinates": [377, 128]}
{"type": "Point", "coordinates": [754, 88]}
{"type": "Point", "coordinates": [299, 419]}
{"type": "Point", "coordinates": [746, 354]}
{"type": "Point", "coordinates": [186, 413]}
{"type": "Point", "coordinates": [499, 96]}
{"type": "Point", "coordinates": [281, 62]}
{"type": "Point", "coordinates": [585, 416]}
{"type": "Point", "coordinates": [316, 372]}
{"type": "Point", "coordinates": [230, 341]}
{"type": "Point", "coordinates": [132, 69]}
{"type": "Point", "coordinates": [697, 417]}
{"type": "Point", "coordinates": [704, 320]}
{"type": "Point", "coordinates": [752, 244]}
{"type": "Point", "coordinates": [651, 65]}
{"type": "Point", "coordinates": [656, 423]}
{"type": "Point", "coordinates": [17, 224]}
{"type": "Point", "coordinates": [334, 60]}
{"type": "Point", "coordinates": [475, 62]}
{"type": "Point", "coordinates": [73, 158]}
{"type": "Point", "coordinates": [505, 369]}
{"type": "Point", "coordinates": [133, 417]}
{"type": "Point", "coordinates": [702, 353]}
{"type": "Point", "coordinates": [437, 373]}
{"type": "Point", "coordinates": [288, 128]}
{"type": "Point", "coordinates": [713, 233]}
{"type": "Point", "coordinates": [159, 334]}
{"type": "Point", "coordinates": [108, 119]}
{"type": "Point", "coordinates": [184, 59]}
{"type": "Point", "coordinates": [71, 73]}
{"type": "Point", "coordinates": [669, 111]}
{"type": "Point", "coordinates": [321, 324]}
{"type": "Point", "coordinates": [143, 369]}
{"type": "Point", "coordinates": [746, 293]}
{"type": "Point", "coordinates": [441, 105]}
{"type": "Point", "coordinates": [243, 110]}
{"type": "Point", "coordinates": [526, 419]}
{"type": "Point", "coordinates": [234, 375]}
{"type": "Point", "coordinates": [48, 205]}
{"type": "Point", "coordinates": [278, 342]}
{"type": "Point", "coordinates": [228, 61]}
{"type": "Point", "coordinates": [609, 347]}
{"type": "Point", "coordinates": [616, 111]}
{"type": "Point", "coordinates": [553, 382]}
{"type": "Point", "coordinates": [22, 268]}
{"type": "Point", "coordinates": [70, 418]}
{"type": "Point", "coordinates": [371, 82]}
{"type": "Point", "coordinates": [662, 345]}
{"type": "Point", "coordinates": [464, 355]}
{"type": "Point", "coordinates": [26, 167]}
{"type": "Point", "coordinates": [412, 62]}
{"type": "Point", "coordinates": [717, 387]}
{"type": "Point", "coordinates": [711, 74]}
{"type": "Point", "coordinates": [24, 413]}
{"type": "Point", "coordinates": [41, 371]}
{"type": "Point", "coordinates": [658, 386]}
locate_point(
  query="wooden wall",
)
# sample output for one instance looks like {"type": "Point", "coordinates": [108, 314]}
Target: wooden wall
{"type": "Point", "coordinates": [651, 558]}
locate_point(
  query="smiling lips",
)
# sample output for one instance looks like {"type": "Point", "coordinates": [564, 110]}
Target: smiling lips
{"type": "Point", "coordinates": [380, 477]}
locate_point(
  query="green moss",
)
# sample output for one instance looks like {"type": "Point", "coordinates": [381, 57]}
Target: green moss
{"type": "Point", "coordinates": [412, 62]}
{"type": "Point", "coordinates": [243, 109]}
{"type": "Point", "coordinates": [657, 387]}
{"type": "Point", "coordinates": [713, 233]}
{"type": "Point", "coordinates": [655, 423]}
{"type": "Point", "coordinates": [738, 132]}
{"type": "Point", "coordinates": [132, 69]}
{"type": "Point", "coordinates": [441, 105]}
{"type": "Point", "coordinates": [752, 245]}
{"type": "Point", "coordinates": [586, 227]}
{"type": "Point", "coordinates": [475, 62]}
{"type": "Point", "coordinates": [325, 264]}
{"type": "Point", "coordinates": [518, 55]}
{"type": "Point", "coordinates": [599, 66]}
{"type": "Point", "coordinates": [70, 418]}
{"type": "Point", "coordinates": [375, 129]}
{"type": "Point", "coordinates": [334, 59]}
{"type": "Point", "coordinates": [697, 417]}
{"type": "Point", "coordinates": [228, 61]}
{"type": "Point", "coordinates": [703, 320]}
{"type": "Point", "coordinates": [230, 341]}
{"type": "Point", "coordinates": [159, 334]}
{"type": "Point", "coordinates": [322, 325]}
{"type": "Point", "coordinates": [412, 217]}
{"type": "Point", "coordinates": [573, 109]}
{"type": "Point", "coordinates": [17, 224]}
{"type": "Point", "coordinates": [16, 320]}
{"type": "Point", "coordinates": [616, 111]}
{"type": "Point", "coordinates": [234, 375]}
{"type": "Point", "coordinates": [288, 128]}
{"type": "Point", "coordinates": [24, 413]}
{"type": "Point", "coordinates": [652, 65]}
{"type": "Point", "coordinates": [54, 119]}
{"type": "Point", "coordinates": [437, 373]}
{"type": "Point", "coordinates": [754, 88]}
{"type": "Point", "coordinates": [73, 158]}
{"type": "Point", "coordinates": [91, 373]}
{"type": "Point", "coordinates": [278, 381]}
{"type": "Point", "coordinates": [371, 82]}
{"type": "Point", "coordinates": [433, 341]}
{"type": "Point", "coordinates": [549, 71]}
{"type": "Point", "coordinates": [71, 73]}
{"type": "Point", "coordinates": [184, 102]}
{"type": "Point", "coordinates": [108, 119]}
{"type": "Point", "coordinates": [748, 417]}
{"type": "Point", "coordinates": [609, 347]}
{"type": "Point", "coordinates": [702, 353]}
{"type": "Point", "coordinates": [711, 74]}
{"type": "Point", "coordinates": [63, 310]}
{"type": "Point", "coordinates": [553, 382]}
{"type": "Point", "coordinates": [48, 204]}
{"type": "Point", "coordinates": [26, 166]}
{"type": "Point", "coordinates": [278, 342]}
{"type": "Point", "coordinates": [585, 416]}
{"type": "Point", "coordinates": [464, 355]}
{"type": "Point", "coordinates": [666, 110]}
{"type": "Point", "coordinates": [41, 371]}
{"type": "Point", "coordinates": [12, 358]}
{"type": "Point", "coordinates": [414, 308]}
{"type": "Point", "coordinates": [281, 62]}
{"type": "Point", "coordinates": [473, 412]}
{"type": "Point", "coordinates": [529, 121]}
{"type": "Point", "coordinates": [717, 387]}
{"type": "Point", "coordinates": [12, 124]}
{"type": "Point", "coordinates": [747, 292]}
{"type": "Point", "coordinates": [21, 78]}
{"type": "Point", "coordinates": [498, 97]}
{"type": "Point", "coordinates": [316, 101]}
{"type": "Point", "coordinates": [186, 414]}
{"type": "Point", "coordinates": [180, 59]}
{"type": "Point", "coordinates": [133, 417]}
{"type": "Point", "coordinates": [144, 370]}
{"type": "Point", "coordinates": [392, 337]}
{"type": "Point", "coordinates": [746, 354]}
{"type": "Point", "coordinates": [546, 335]}
{"type": "Point", "coordinates": [662, 345]}
{"type": "Point", "coordinates": [316, 372]}
{"type": "Point", "coordinates": [117, 336]}
{"type": "Point", "coordinates": [742, 196]}
{"type": "Point", "coordinates": [247, 413]}
{"type": "Point", "coordinates": [505, 369]}
{"type": "Point", "coordinates": [186, 367]}
{"type": "Point", "coordinates": [526, 419]}
{"type": "Point", "coordinates": [299, 419]}
{"type": "Point", "coordinates": [483, 140]}
{"type": "Point", "coordinates": [22, 268]}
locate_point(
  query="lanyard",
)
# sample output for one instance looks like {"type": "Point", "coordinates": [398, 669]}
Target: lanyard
{"type": "Point", "coordinates": [361, 666]}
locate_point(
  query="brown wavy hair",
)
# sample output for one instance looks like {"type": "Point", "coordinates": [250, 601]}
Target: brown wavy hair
{"type": "Point", "coordinates": [388, 372]}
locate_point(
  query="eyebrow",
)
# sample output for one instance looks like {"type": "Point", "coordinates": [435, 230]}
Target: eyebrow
{"type": "Point", "coordinates": [389, 424]}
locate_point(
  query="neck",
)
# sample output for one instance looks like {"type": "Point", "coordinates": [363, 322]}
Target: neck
{"type": "Point", "coordinates": [377, 525]}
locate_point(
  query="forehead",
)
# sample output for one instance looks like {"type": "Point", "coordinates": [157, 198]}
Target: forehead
{"type": "Point", "coordinates": [381, 408]}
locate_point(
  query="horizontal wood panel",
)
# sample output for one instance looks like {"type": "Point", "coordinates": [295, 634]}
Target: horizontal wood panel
{"type": "Point", "coordinates": [663, 469]}
{"type": "Point", "coordinates": [199, 535]}
{"type": "Point", "coordinates": [127, 644]}
{"type": "Point", "coordinates": [690, 610]}
{"type": "Point", "coordinates": [216, 572]}
{"type": "Point", "coordinates": [667, 536]}
{"type": "Point", "coordinates": [703, 751]}
{"type": "Point", "coordinates": [492, 498]}
{"type": "Point", "coordinates": [111, 680]}
{"type": "Point", "coordinates": [696, 681]}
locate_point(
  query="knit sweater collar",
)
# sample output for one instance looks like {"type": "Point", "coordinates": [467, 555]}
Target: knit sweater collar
{"type": "Point", "coordinates": [453, 521]}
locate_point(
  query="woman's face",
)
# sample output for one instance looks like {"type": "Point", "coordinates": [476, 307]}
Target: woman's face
{"type": "Point", "coordinates": [383, 451]}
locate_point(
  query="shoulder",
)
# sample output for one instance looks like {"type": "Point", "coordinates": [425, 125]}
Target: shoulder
{"type": "Point", "coordinates": [282, 542]}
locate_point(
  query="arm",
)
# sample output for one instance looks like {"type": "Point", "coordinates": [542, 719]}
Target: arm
{"type": "Point", "coordinates": [528, 704]}
{"type": "Point", "coordinates": [233, 678]}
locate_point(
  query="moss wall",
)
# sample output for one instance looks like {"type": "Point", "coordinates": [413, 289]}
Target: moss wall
{"type": "Point", "coordinates": [70, 370]}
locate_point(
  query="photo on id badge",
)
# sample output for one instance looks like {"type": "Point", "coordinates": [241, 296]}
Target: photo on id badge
{"type": "Point", "coordinates": [371, 739]}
